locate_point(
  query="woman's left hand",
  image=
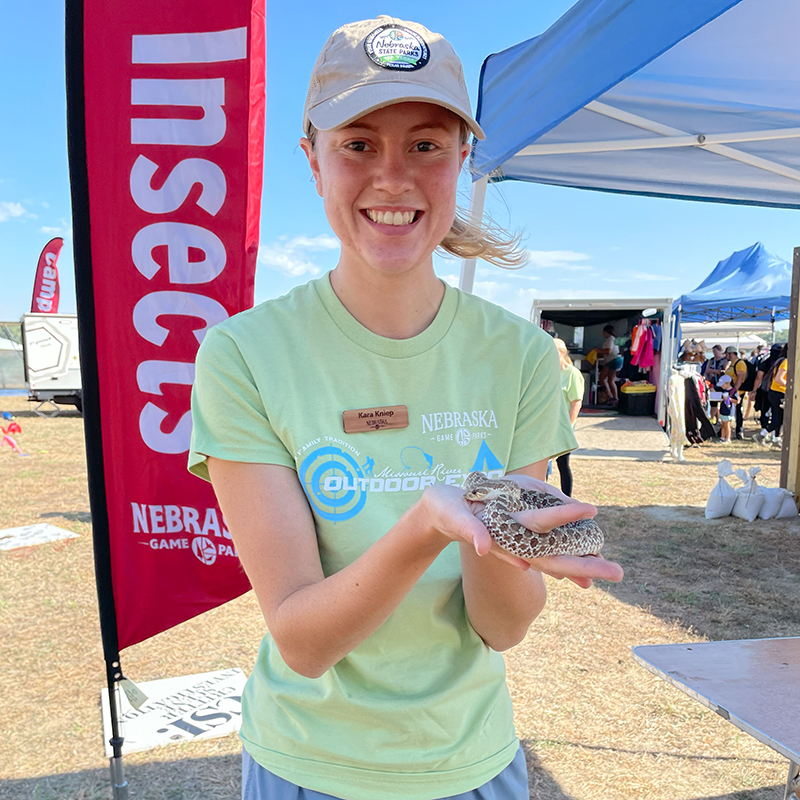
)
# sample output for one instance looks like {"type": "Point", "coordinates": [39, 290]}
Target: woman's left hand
{"type": "Point", "coordinates": [581, 570]}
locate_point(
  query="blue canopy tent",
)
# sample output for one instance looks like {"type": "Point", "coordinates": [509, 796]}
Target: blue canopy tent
{"type": "Point", "coordinates": [683, 99]}
{"type": "Point", "coordinates": [751, 284]}
{"type": "Point", "coordinates": [686, 99]}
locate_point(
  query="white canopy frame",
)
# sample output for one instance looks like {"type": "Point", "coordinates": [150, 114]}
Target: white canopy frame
{"type": "Point", "coordinates": [668, 137]}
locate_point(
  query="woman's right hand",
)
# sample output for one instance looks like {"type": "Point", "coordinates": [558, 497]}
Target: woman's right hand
{"type": "Point", "coordinates": [451, 517]}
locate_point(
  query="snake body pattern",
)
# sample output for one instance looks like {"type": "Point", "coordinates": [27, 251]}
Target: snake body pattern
{"type": "Point", "coordinates": [503, 497]}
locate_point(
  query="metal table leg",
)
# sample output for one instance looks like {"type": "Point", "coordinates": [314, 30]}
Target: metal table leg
{"type": "Point", "coordinates": [792, 783]}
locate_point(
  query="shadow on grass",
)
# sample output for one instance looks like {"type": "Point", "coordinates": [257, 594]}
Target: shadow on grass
{"type": "Point", "coordinates": [633, 455]}
{"type": "Point", "coordinates": [722, 579]}
{"type": "Point", "coordinates": [212, 778]}
{"type": "Point", "coordinates": [543, 787]}
{"type": "Point", "coordinates": [541, 783]}
{"type": "Point", "coordinates": [749, 454]}
{"type": "Point", "coordinates": [68, 412]}
{"type": "Point", "coordinates": [72, 516]}
{"type": "Point", "coordinates": [768, 793]}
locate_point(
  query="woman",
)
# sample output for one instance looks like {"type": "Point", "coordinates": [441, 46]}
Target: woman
{"type": "Point", "coordinates": [572, 385]}
{"type": "Point", "coordinates": [337, 424]}
{"type": "Point", "coordinates": [611, 364]}
{"type": "Point", "coordinates": [777, 395]}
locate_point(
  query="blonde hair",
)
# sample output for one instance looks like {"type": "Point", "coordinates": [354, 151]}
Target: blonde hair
{"type": "Point", "coordinates": [563, 353]}
{"type": "Point", "coordinates": [466, 240]}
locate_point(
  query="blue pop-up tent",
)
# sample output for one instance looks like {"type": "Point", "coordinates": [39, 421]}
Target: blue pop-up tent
{"type": "Point", "coordinates": [751, 284]}
{"type": "Point", "coordinates": [686, 99]}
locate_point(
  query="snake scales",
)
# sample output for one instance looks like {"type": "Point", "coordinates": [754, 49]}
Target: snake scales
{"type": "Point", "coordinates": [503, 496]}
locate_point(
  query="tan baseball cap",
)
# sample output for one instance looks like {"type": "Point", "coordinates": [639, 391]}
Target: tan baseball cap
{"type": "Point", "coordinates": [375, 63]}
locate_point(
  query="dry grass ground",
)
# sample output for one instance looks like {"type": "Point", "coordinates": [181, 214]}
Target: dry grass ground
{"type": "Point", "coordinates": [595, 725]}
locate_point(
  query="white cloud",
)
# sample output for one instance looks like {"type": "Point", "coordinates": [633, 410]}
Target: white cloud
{"type": "Point", "coordinates": [291, 256]}
{"type": "Point", "coordinates": [573, 294]}
{"type": "Point", "coordinates": [64, 230]}
{"type": "Point", "coordinates": [57, 231]}
{"type": "Point", "coordinates": [9, 210]}
{"type": "Point", "coordinates": [626, 277]}
{"type": "Point", "coordinates": [559, 259]}
{"type": "Point", "coordinates": [489, 290]}
{"type": "Point", "coordinates": [521, 303]}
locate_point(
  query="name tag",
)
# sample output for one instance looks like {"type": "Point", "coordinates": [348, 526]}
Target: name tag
{"type": "Point", "coordinates": [375, 419]}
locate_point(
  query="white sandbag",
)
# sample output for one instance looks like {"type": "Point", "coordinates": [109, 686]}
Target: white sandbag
{"type": "Point", "coordinates": [788, 507]}
{"type": "Point", "coordinates": [723, 496]}
{"type": "Point", "coordinates": [749, 498]}
{"type": "Point", "coordinates": [773, 500]}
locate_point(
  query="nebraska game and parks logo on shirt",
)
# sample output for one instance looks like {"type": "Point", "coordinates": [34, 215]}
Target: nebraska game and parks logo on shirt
{"type": "Point", "coordinates": [397, 47]}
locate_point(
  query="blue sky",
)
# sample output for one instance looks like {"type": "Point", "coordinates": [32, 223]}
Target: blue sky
{"type": "Point", "coordinates": [582, 243]}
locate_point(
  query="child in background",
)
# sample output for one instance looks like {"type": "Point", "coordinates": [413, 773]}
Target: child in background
{"type": "Point", "coordinates": [727, 410]}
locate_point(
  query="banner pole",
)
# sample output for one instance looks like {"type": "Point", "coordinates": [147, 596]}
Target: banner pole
{"type": "Point", "coordinates": [118, 781]}
{"type": "Point", "coordinates": [87, 337]}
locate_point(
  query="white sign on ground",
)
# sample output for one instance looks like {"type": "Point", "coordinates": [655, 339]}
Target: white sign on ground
{"type": "Point", "coordinates": [27, 535]}
{"type": "Point", "coordinates": [203, 706]}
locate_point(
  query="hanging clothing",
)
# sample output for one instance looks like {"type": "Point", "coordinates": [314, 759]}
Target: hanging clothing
{"type": "Point", "coordinates": [657, 336]}
{"type": "Point", "coordinates": [698, 426]}
{"type": "Point", "coordinates": [642, 350]}
{"type": "Point", "coordinates": [655, 371]}
{"type": "Point", "coordinates": [676, 409]}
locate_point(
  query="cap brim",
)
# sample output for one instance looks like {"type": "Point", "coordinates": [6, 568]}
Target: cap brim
{"type": "Point", "coordinates": [360, 100]}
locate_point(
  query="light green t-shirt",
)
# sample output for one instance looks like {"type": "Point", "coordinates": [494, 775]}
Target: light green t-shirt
{"type": "Point", "coordinates": [572, 383]}
{"type": "Point", "coordinates": [420, 709]}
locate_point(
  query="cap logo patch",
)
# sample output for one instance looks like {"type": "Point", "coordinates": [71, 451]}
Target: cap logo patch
{"type": "Point", "coordinates": [397, 47]}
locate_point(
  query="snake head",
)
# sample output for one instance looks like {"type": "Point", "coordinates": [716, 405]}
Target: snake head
{"type": "Point", "coordinates": [473, 481]}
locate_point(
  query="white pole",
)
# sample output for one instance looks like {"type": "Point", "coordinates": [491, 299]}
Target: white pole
{"type": "Point", "coordinates": [476, 204]}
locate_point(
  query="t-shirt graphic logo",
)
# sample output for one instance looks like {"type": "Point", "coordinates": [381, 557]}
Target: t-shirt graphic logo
{"type": "Point", "coordinates": [486, 460]}
{"type": "Point", "coordinates": [334, 483]}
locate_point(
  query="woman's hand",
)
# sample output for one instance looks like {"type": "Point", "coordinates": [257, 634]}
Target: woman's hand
{"type": "Point", "coordinates": [452, 517]}
{"type": "Point", "coordinates": [581, 570]}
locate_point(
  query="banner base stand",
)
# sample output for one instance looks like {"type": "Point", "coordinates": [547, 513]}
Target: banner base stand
{"type": "Point", "coordinates": [118, 778]}
{"type": "Point", "coordinates": [175, 710]}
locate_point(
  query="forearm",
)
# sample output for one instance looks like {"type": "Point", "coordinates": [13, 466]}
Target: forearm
{"type": "Point", "coordinates": [501, 600]}
{"type": "Point", "coordinates": [574, 410]}
{"type": "Point", "coordinates": [318, 624]}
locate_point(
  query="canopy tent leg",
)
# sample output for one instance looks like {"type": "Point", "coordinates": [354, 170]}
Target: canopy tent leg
{"type": "Point", "coordinates": [476, 205]}
{"type": "Point", "coordinates": [790, 452]}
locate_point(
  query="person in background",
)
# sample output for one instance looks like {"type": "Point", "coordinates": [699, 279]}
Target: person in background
{"type": "Point", "coordinates": [730, 400]}
{"type": "Point", "coordinates": [611, 363]}
{"type": "Point", "coordinates": [748, 398]}
{"type": "Point", "coordinates": [760, 393]}
{"type": "Point", "coordinates": [572, 386]}
{"type": "Point", "coordinates": [737, 370]}
{"type": "Point", "coordinates": [776, 395]}
{"type": "Point", "coordinates": [711, 370]}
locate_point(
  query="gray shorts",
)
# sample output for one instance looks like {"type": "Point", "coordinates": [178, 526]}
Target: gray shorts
{"type": "Point", "coordinates": [260, 784]}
